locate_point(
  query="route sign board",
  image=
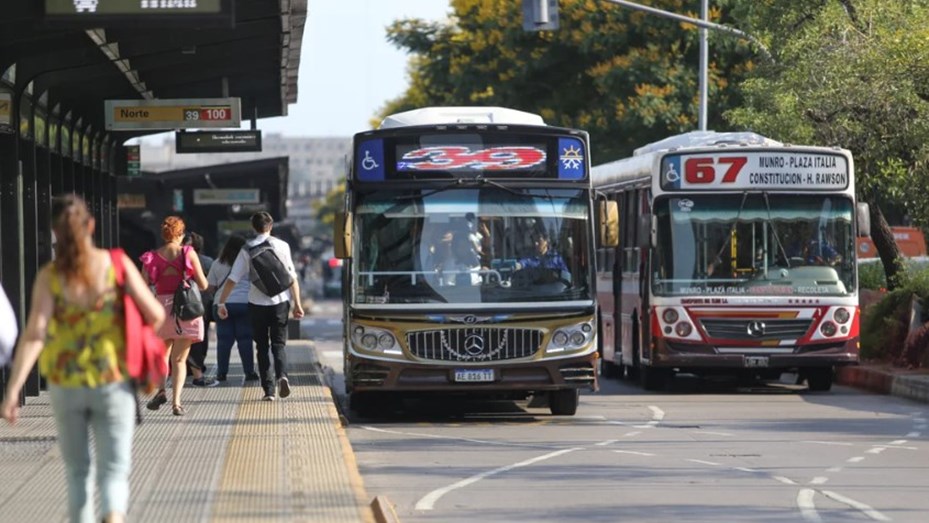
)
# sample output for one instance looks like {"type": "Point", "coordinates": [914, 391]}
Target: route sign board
{"type": "Point", "coordinates": [133, 160]}
{"type": "Point", "coordinates": [136, 12]}
{"type": "Point", "coordinates": [194, 113]}
{"type": "Point", "coordinates": [217, 142]}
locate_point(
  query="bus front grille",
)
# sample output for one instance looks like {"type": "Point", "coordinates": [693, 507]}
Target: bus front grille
{"type": "Point", "coordinates": [477, 344]}
{"type": "Point", "coordinates": [755, 330]}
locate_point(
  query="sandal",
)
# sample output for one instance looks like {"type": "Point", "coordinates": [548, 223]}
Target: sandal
{"type": "Point", "coordinates": [155, 403]}
{"type": "Point", "coordinates": [179, 410]}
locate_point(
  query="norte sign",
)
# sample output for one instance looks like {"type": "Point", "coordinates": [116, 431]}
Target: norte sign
{"type": "Point", "coordinates": [130, 115]}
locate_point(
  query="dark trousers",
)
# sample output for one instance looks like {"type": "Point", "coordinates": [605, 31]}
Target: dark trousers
{"type": "Point", "coordinates": [269, 330]}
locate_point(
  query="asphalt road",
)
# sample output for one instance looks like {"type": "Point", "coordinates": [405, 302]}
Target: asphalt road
{"type": "Point", "coordinates": [703, 451]}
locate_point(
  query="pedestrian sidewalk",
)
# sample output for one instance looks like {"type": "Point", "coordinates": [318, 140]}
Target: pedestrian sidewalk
{"type": "Point", "coordinates": [233, 457]}
{"type": "Point", "coordinates": [886, 379]}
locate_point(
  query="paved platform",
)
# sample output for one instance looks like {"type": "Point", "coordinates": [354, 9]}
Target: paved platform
{"type": "Point", "coordinates": [886, 379]}
{"type": "Point", "coordinates": [233, 457]}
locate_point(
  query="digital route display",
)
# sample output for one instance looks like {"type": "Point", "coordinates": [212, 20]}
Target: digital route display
{"type": "Point", "coordinates": [172, 114]}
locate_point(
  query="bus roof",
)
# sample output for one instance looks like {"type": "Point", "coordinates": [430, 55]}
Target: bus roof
{"type": "Point", "coordinates": [705, 139]}
{"type": "Point", "coordinates": [461, 115]}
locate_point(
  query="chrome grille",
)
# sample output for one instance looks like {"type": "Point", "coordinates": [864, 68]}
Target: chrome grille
{"type": "Point", "coordinates": [738, 329]}
{"type": "Point", "coordinates": [475, 344]}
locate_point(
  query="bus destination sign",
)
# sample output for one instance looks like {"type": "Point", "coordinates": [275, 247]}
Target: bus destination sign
{"type": "Point", "coordinates": [126, 115]}
{"type": "Point", "coordinates": [86, 13]}
{"type": "Point", "coordinates": [217, 142]}
{"type": "Point", "coordinates": [768, 170]}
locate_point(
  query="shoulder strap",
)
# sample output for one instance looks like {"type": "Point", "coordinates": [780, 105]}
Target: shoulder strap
{"type": "Point", "coordinates": [116, 256]}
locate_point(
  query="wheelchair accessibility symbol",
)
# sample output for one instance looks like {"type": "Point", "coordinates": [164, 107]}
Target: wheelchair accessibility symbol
{"type": "Point", "coordinates": [671, 174]}
{"type": "Point", "coordinates": [368, 163]}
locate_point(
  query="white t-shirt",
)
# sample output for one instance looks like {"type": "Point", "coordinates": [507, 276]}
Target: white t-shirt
{"type": "Point", "coordinates": [240, 269]}
{"type": "Point", "coordinates": [8, 328]}
{"type": "Point", "coordinates": [217, 277]}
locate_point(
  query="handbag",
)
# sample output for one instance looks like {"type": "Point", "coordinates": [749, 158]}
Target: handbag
{"type": "Point", "coordinates": [145, 351]}
{"type": "Point", "coordinates": [188, 302]}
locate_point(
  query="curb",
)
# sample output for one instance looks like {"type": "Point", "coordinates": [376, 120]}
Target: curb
{"type": "Point", "coordinates": [910, 386]}
{"type": "Point", "coordinates": [384, 510]}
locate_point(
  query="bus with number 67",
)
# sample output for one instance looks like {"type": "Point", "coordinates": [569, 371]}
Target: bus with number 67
{"type": "Point", "coordinates": [468, 240]}
{"type": "Point", "coordinates": [736, 256]}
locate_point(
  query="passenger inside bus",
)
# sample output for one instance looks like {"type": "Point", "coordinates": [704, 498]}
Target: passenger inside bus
{"type": "Point", "coordinates": [454, 259]}
{"type": "Point", "coordinates": [810, 248]}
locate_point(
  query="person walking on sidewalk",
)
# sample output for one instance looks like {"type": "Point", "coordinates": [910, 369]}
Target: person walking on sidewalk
{"type": "Point", "coordinates": [165, 268]}
{"type": "Point", "coordinates": [196, 361]}
{"type": "Point", "coordinates": [268, 312]}
{"type": "Point", "coordinates": [77, 332]}
{"type": "Point", "coordinates": [237, 327]}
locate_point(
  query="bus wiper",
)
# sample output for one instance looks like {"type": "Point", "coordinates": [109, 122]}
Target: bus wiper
{"type": "Point", "coordinates": [451, 185]}
{"type": "Point", "coordinates": [777, 239]}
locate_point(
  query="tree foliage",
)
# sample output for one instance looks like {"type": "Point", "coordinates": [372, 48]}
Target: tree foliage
{"type": "Point", "coordinates": [627, 77]}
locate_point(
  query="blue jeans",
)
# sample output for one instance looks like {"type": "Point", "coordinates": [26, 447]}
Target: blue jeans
{"type": "Point", "coordinates": [236, 328]}
{"type": "Point", "coordinates": [109, 411]}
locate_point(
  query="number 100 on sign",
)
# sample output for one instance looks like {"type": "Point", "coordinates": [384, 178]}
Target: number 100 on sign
{"type": "Point", "coordinates": [208, 114]}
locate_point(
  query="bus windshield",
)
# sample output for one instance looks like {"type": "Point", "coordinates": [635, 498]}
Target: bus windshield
{"type": "Point", "coordinates": [754, 244]}
{"type": "Point", "coordinates": [471, 246]}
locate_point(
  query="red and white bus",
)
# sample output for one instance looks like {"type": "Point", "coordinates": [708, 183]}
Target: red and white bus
{"type": "Point", "coordinates": [736, 256]}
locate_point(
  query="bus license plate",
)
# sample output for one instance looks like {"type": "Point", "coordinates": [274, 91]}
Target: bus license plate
{"type": "Point", "coordinates": [756, 361]}
{"type": "Point", "coordinates": [474, 375]}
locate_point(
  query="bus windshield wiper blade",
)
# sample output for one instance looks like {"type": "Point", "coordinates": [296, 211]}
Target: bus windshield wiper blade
{"type": "Point", "coordinates": [451, 185]}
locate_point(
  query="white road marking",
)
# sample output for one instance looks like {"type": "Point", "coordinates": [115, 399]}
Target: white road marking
{"type": "Point", "coordinates": [786, 481]}
{"type": "Point", "coordinates": [634, 453]}
{"type": "Point", "coordinates": [869, 511]}
{"type": "Point", "coordinates": [700, 461]}
{"type": "Point", "coordinates": [745, 469]}
{"type": "Point", "coordinates": [819, 480]}
{"type": "Point", "coordinates": [913, 435]}
{"type": "Point", "coordinates": [657, 414]}
{"type": "Point", "coordinates": [713, 433]}
{"type": "Point", "coordinates": [605, 443]}
{"type": "Point", "coordinates": [856, 459]}
{"type": "Point", "coordinates": [807, 508]}
{"type": "Point", "coordinates": [919, 420]}
{"type": "Point", "coordinates": [834, 469]}
{"type": "Point", "coordinates": [840, 443]}
{"type": "Point", "coordinates": [876, 450]}
{"type": "Point", "coordinates": [897, 442]}
{"type": "Point", "coordinates": [633, 433]}
{"type": "Point", "coordinates": [470, 440]}
{"type": "Point", "coordinates": [428, 501]}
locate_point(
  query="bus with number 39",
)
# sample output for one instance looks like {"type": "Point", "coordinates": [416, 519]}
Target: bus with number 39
{"type": "Point", "coordinates": [736, 257]}
{"type": "Point", "coordinates": [468, 240]}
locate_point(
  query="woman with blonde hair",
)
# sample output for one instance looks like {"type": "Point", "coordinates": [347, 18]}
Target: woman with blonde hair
{"type": "Point", "coordinates": [165, 268]}
{"type": "Point", "coordinates": [76, 330]}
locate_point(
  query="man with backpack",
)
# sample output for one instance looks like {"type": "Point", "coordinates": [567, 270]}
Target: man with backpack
{"type": "Point", "coordinates": [268, 263]}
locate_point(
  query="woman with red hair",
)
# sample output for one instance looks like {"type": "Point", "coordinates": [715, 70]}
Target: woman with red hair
{"type": "Point", "coordinates": [165, 268]}
{"type": "Point", "coordinates": [76, 330]}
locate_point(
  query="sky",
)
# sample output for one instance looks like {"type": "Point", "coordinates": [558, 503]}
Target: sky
{"type": "Point", "coordinates": [348, 69]}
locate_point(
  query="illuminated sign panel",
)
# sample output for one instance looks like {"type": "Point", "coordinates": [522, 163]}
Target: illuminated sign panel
{"type": "Point", "coordinates": [217, 142]}
{"type": "Point", "coordinates": [226, 196]}
{"type": "Point", "coordinates": [133, 12]}
{"type": "Point", "coordinates": [769, 170]}
{"type": "Point", "coordinates": [469, 155]}
{"type": "Point", "coordinates": [127, 115]}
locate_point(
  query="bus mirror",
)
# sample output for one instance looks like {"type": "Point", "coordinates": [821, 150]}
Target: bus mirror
{"type": "Point", "coordinates": [609, 224]}
{"type": "Point", "coordinates": [864, 219]}
{"type": "Point", "coordinates": [342, 235]}
{"type": "Point", "coordinates": [648, 225]}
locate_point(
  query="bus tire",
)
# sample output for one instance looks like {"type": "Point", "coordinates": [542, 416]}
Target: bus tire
{"type": "Point", "coordinates": [819, 379]}
{"type": "Point", "coordinates": [564, 402]}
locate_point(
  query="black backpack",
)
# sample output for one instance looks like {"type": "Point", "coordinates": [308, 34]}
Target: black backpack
{"type": "Point", "coordinates": [188, 303]}
{"type": "Point", "coordinates": [266, 271]}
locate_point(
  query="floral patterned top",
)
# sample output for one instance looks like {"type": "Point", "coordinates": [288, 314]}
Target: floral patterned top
{"type": "Point", "coordinates": [85, 348]}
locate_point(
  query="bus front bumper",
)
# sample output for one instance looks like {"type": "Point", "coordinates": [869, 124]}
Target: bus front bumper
{"type": "Point", "coordinates": [699, 356]}
{"type": "Point", "coordinates": [524, 376]}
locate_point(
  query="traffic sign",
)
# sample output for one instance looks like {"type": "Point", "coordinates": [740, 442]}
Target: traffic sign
{"type": "Point", "coordinates": [217, 142]}
{"type": "Point", "coordinates": [194, 113]}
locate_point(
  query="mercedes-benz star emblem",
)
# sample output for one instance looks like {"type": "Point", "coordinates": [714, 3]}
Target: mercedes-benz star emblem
{"type": "Point", "coordinates": [474, 345]}
{"type": "Point", "coordinates": [755, 329]}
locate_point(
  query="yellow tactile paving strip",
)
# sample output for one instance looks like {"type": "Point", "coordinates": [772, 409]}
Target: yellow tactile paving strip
{"type": "Point", "coordinates": [232, 458]}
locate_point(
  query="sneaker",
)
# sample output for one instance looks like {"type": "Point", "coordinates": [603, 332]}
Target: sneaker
{"type": "Point", "coordinates": [268, 397]}
{"type": "Point", "coordinates": [251, 376]}
{"type": "Point", "coordinates": [220, 377]}
{"type": "Point", "coordinates": [283, 386]}
{"type": "Point", "coordinates": [155, 403]}
{"type": "Point", "coordinates": [204, 382]}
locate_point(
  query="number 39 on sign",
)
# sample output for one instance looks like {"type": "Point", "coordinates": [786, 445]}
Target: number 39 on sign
{"type": "Point", "coordinates": [212, 114]}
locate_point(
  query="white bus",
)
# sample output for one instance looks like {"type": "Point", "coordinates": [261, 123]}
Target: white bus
{"type": "Point", "coordinates": [736, 256]}
{"type": "Point", "coordinates": [468, 240]}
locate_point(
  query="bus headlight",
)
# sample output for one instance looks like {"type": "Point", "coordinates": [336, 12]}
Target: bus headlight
{"type": "Point", "coordinates": [683, 329]}
{"type": "Point", "coordinates": [828, 328]}
{"type": "Point", "coordinates": [669, 316]}
{"type": "Point", "coordinates": [375, 339]}
{"type": "Point", "coordinates": [571, 337]}
{"type": "Point", "coordinates": [842, 315]}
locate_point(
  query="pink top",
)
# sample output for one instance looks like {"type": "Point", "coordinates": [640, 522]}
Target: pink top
{"type": "Point", "coordinates": [154, 265]}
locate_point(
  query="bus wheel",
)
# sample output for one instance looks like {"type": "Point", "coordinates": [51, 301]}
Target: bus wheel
{"type": "Point", "coordinates": [563, 402]}
{"type": "Point", "coordinates": [819, 379]}
{"type": "Point", "coordinates": [653, 379]}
